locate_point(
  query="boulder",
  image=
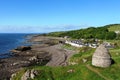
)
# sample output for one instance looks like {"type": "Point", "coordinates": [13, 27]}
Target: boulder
{"type": "Point", "coordinates": [23, 48]}
{"type": "Point", "coordinates": [33, 73]}
{"type": "Point", "coordinates": [29, 74]}
{"type": "Point", "coordinates": [26, 75]}
{"type": "Point", "coordinates": [14, 51]}
{"type": "Point", "coordinates": [34, 58]}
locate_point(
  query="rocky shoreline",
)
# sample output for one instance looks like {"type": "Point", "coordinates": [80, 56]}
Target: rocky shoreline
{"type": "Point", "coordinates": [45, 51]}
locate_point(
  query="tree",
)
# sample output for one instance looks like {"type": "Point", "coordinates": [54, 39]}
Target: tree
{"type": "Point", "coordinates": [110, 35]}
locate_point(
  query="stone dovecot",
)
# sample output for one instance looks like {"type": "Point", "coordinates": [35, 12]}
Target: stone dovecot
{"type": "Point", "coordinates": [101, 57]}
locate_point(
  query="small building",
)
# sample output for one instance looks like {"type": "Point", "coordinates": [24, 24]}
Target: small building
{"type": "Point", "coordinates": [75, 43]}
{"type": "Point", "coordinates": [101, 57]}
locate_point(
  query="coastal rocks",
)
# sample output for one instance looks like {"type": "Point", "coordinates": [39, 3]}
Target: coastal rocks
{"type": "Point", "coordinates": [29, 74]}
{"type": "Point", "coordinates": [3, 74]}
{"type": "Point", "coordinates": [101, 57]}
{"type": "Point", "coordinates": [21, 48]}
{"type": "Point", "coordinates": [34, 58]}
{"type": "Point", "coordinates": [40, 54]}
{"type": "Point", "coordinates": [14, 51]}
{"type": "Point", "coordinates": [23, 59]}
{"type": "Point", "coordinates": [20, 63]}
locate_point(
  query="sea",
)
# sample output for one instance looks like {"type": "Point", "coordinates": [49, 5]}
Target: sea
{"type": "Point", "coordinates": [9, 41]}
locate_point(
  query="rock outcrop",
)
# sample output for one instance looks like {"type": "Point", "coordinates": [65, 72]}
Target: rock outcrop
{"type": "Point", "coordinates": [101, 57]}
{"type": "Point", "coordinates": [23, 48]}
{"type": "Point", "coordinates": [29, 74]}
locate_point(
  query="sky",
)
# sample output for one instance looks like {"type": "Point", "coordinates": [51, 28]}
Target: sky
{"type": "Point", "coordinates": [40, 16]}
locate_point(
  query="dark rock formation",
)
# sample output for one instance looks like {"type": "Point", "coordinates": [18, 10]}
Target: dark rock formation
{"type": "Point", "coordinates": [27, 58]}
{"type": "Point", "coordinates": [23, 48]}
{"type": "Point", "coordinates": [20, 49]}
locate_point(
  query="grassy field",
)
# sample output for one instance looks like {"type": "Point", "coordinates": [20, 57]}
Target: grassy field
{"type": "Point", "coordinates": [81, 70]}
{"type": "Point", "coordinates": [114, 28]}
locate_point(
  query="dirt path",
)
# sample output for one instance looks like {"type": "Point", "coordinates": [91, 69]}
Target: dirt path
{"type": "Point", "coordinates": [95, 71]}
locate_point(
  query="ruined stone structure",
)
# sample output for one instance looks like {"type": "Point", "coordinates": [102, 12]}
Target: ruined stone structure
{"type": "Point", "coordinates": [101, 57]}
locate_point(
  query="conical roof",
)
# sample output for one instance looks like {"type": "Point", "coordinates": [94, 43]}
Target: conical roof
{"type": "Point", "coordinates": [102, 52]}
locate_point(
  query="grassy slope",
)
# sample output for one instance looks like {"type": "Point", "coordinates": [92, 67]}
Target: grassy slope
{"type": "Point", "coordinates": [114, 27]}
{"type": "Point", "coordinates": [91, 32]}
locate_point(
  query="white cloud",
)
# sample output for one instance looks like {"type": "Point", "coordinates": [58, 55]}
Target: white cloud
{"type": "Point", "coordinates": [37, 29]}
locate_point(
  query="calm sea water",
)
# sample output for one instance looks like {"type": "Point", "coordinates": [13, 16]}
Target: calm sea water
{"type": "Point", "coordinates": [10, 41]}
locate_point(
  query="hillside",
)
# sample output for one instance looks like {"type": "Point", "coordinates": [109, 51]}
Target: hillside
{"type": "Point", "coordinates": [105, 32]}
{"type": "Point", "coordinates": [113, 27]}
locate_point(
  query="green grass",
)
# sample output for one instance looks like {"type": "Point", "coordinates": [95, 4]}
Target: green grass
{"type": "Point", "coordinates": [84, 53]}
{"type": "Point", "coordinates": [69, 47]}
{"type": "Point", "coordinates": [80, 72]}
{"type": "Point", "coordinates": [114, 28]}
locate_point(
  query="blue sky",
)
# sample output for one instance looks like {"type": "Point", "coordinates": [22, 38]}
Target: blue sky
{"type": "Point", "coordinates": [55, 15]}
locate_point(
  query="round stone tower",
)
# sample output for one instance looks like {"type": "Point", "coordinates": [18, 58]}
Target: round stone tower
{"type": "Point", "coordinates": [101, 57]}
